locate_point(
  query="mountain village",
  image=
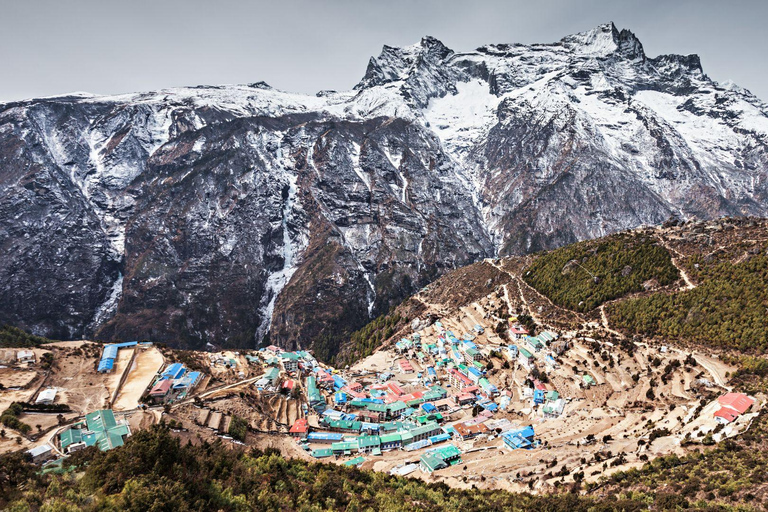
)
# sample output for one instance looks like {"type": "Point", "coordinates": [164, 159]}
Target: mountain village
{"type": "Point", "coordinates": [454, 399]}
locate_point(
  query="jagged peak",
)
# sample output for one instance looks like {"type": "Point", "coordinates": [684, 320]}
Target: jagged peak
{"type": "Point", "coordinates": [605, 40]}
{"type": "Point", "coordinates": [396, 63]}
{"type": "Point", "coordinates": [686, 63]}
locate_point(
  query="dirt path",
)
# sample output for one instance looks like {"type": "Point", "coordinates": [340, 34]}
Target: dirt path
{"type": "Point", "coordinates": [716, 370]}
{"type": "Point", "coordinates": [605, 325]}
{"type": "Point", "coordinates": [689, 285]}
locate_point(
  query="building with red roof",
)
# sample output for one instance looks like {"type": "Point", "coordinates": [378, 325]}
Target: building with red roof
{"type": "Point", "coordinates": [300, 429]}
{"type": "Point", "coordinates": [736, 401]}
{"type": "Point", "coordinates": [458, 379]}
{"type": "Point", "coordinates": [732, 406]}
{"type": "Point", "coordinates": [160, 390]}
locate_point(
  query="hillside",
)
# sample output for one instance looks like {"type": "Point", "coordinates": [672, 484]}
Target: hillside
{"type": "Point", "coordinates": [154, 471]}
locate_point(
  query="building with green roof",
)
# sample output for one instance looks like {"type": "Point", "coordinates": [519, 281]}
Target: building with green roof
{"type": "Point", "coordinates": [367, 444]}
{"type": "Point", "coordinates": [100, 429]}
{"type": "Point", "coordinates": [391, 441]}
{"type": "Point", "coordinates": [321, 453]}
{"type": "Point", "coordinates": [355, 462]}
{"type": "Point", "coordinates": [344, 447]}
{"type": "Point", "coordinates": [429, 463]}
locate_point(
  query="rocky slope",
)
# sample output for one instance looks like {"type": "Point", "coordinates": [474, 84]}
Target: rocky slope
{"type": "Point", "coordinates": [221, 214]}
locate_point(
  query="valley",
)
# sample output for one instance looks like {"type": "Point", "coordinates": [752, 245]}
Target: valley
{"type": "Point", "coordinates": [481, 356]}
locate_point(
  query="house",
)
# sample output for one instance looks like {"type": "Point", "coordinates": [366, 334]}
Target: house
{"type": "Point", "coordinates": [42, 453]}
{"type": "Point", "coordinates": [348, 426]}
{"type": "Point", "coordinates": [391, 441]}
{"type": "Point", "coordinates": [478, 329]}
{"type": "Point", "coordinates": [344, 447]}
{"type": "Point", "coordinates": [551, 362]}
{"type": "Point", "coordinates": [380, 410]}
{"type": "Point", "coordinates": [588, 380]}
{"type": "Point", "coordinates": [272, 375]}
{"type": "Point", "coordinates": [405, 366]}
{"type": "Point", "coordinates": [547, 337]}
{"type": "Point", "coordinates": [300, 428]}
{"type": "Point", "coordinates": [429, 462]}
{"type": "Point", "coordinates": [555, 408]}
{"type": "Point", "coordinates": [25, 357]}
{"type": "Point", "coordinates": [160, 391]}
{"type": "Point", "coordinates": [518, 331]}
{"type": "Point", "coordinates": [464, 398]}
{"type": "Point", "coordinates": [521, 438]}
{"type": "Point", "coordinates": [525, 357]}
{"type": "Point", "coordinates": [395, 409]}
{"type": "Point", "coordinates": [173, 371]}
{"type": "Point", "coordinates": [46, 397]}
{"type": "Point", "coordinates": [467, 432]}
{"type": "Point", "coordinates": [732, 405]}
{"type": "Point", "coordinates": [324, 437]}
{"type": "Point", "coordinates": [187, 382]}
{"type": "Point", "coordinates": [443, 404]}
{"type": "Point", "coordinates": [488, 388]}
{"type": "Point", "coordinates": [368, 444]}
{"type": "Point", "coordinates": [100, 429]}
{"type": "Point", "coordinates": [510, 353]}
{"type": "Point", "coordinates": [421, 433]}
{"type": "Point", "coordinates": [322, 453]}
{"type": "Point", "coordinates": [316, 400]}
{"type": "Point", "coordinates": [290, 361]}
{"type": "Point", "coordinates": [474, 374]}
{"type": "Point", "coordinates": [324, 380]}
{"type": "Point", "coordinates": [356, 462]}
{"type": "Point", "coordinates": [538, 396]}
{"type": "Point", "coordinates": [458, 380]}
{"type": "Point", "coordinates": [108, 356]}
{"type": "Point", "coordinates": [533, 342]}
{"type": "Point", "coordinates": [439, 458]}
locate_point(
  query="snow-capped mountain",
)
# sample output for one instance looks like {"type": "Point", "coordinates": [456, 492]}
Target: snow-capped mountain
{"type": "Point", "coordinates": [221, 214]}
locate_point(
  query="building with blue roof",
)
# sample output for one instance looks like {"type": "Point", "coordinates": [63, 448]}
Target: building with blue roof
{"type": "Point", "coordinates": [109, 354]}
{"type": "Point", "coordinates": [325, 437]}
{"type": "Point", "coordinates": [173, 371]}
{"type": "Point", "coordinates": [521, 438]}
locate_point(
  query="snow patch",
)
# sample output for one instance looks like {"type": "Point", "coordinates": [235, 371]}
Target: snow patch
{"type": "Point", "coordinates": [109, 308]}
{"type": "Point", "coordinates": [461, 119]}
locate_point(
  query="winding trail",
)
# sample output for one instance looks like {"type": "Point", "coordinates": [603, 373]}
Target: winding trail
{"type": "Point", "coordinates": [606, 326]}
{"type": "Point", "coordinates": [689, 284]}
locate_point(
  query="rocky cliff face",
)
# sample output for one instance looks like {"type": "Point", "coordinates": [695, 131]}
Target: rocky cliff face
{"type": "Point", "coordinates": [226, 214]}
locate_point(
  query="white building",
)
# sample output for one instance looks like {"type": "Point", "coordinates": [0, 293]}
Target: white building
{"type": "Point", "coordinates": [47, 396]}
{"type": "Point", "coordinates": [25, 356]}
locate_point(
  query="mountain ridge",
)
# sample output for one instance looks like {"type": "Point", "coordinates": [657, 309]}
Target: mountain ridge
{"type": "Point", "coordinates": [222, 214]}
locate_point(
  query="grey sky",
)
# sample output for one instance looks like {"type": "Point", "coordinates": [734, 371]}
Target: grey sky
{"type": "Point", "coordinates": [58, 46]}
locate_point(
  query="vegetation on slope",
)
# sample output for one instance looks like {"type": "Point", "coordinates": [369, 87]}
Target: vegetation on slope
{"type": "Point", "coordinates": [13, 337]}
{"type": "Point", "coordinates": [731, 473]}
{"type": "Point", "coordinates": [365, 341]}
{"type": "Point", "coordinates": [584, 275]}
{"type": "Point", "coordinates": [154, 471]}
{"type": "Point", "coordinates": [727, 310]}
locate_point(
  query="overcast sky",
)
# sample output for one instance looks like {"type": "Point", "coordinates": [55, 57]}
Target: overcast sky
{"type": "Point", "coordinates": [105, 47]}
